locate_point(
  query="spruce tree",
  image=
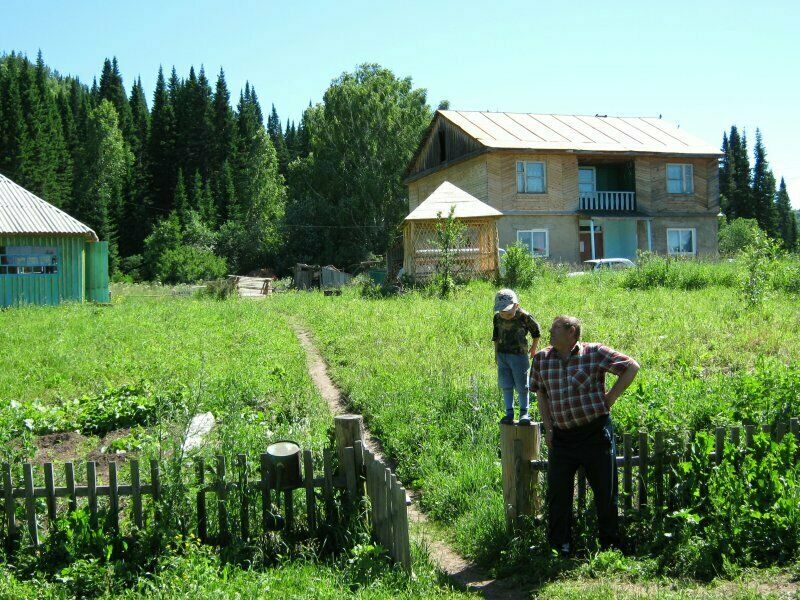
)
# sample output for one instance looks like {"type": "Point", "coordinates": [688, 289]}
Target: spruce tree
{"type": "Point", "coordinates": [181, 200]}
{"type": "Point", "coordinates": [276, 136]}
{"type": "Point", "coordinates": [112, 89]}
{"type": "Point", "coordinates": [13, 129]}
{"type": "Point", "coordinates": [161, 149]}
{"type": "Point", "coordinates": [763, 189]}
{"type": "Point", "coordinates": [787, 221]}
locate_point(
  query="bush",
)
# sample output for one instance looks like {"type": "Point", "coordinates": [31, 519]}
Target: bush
{"type": "Point", "coordinates": [737, 235]}
{"type": "Point", "coordinates": [518, 266]}
{"type": "Point", "coordinates": [653, 270]}
{"type": "Point", "coordinates": [188, 264]}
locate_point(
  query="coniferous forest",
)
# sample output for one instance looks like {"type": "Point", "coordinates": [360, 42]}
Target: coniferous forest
{"type": "Point", "coordinates": [198, 181]}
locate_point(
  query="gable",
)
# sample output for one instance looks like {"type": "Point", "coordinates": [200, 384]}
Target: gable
{"type": "Point", "coordinates": [442, 144]}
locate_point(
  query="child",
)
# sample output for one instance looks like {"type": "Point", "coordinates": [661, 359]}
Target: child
{"type": "Point", "coordinates": [511, 328]}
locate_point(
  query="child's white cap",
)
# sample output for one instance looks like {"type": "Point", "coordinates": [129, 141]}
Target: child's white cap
{"type": "Point", "coordinates": [505, 299]}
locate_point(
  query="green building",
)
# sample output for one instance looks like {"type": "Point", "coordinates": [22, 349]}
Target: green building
{"type": "Point", "coordinates": [46, 256]}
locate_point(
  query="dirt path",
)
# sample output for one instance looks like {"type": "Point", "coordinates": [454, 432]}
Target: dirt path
{"type": "Point", "coordinates": [465, 574]}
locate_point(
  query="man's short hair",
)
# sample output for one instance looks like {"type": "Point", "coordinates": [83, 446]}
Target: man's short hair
{"type": "Point", "coordinates": [569, 323]}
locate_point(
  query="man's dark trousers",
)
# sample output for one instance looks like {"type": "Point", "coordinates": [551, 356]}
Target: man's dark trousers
{"type": "Point", "coordinates": [593, 447]}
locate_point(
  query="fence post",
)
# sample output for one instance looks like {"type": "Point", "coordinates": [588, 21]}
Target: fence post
{"type": "Point", "coordinates": [520, 496]}
{"type": "Point", "coordinates": [348, 430]}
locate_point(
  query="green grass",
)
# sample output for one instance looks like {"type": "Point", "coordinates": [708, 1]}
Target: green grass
{"type": "Point", "coordinates": [422, 372]}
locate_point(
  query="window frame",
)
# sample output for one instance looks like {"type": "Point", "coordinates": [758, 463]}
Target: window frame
{"type": "Point", "coordinates": [685, 190]}
{"type": "Point", "coordinates": [34, 260]}
{"type": "Point", "coordinates": [694, 241]}
{"type": "Point", "coordinates": [525, 164]}
{"type": "Point", "coordinates": [546, 233]}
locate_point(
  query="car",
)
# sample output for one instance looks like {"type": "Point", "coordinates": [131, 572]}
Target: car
{"type": "Point", "coordinates": [614, 264]}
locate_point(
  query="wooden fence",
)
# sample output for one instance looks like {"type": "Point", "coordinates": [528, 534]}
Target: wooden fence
{"type": "Point", "coordinates": [360, 475]}
{"type": "Point", "coordinates": [649, 469]}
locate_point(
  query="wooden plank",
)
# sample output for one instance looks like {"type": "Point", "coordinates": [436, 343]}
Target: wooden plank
{"type": "Point", "coordinates": [643, 465]}
{"type": "Point", "coordinates": [136, 493]}
{"type": "Point", "coordinates": [8, 497]}
{"type": "Point", "coordinates": [30, 503]}
{"type": "Point", "coordinates": [385, 496]}
{"type": "Point", "coordinates": [155, 480]}
{"type": "Point", "coordinates": [69, 478]}
{"type": "Point", "coordinates": [517, 497]}
{"type": "Point", "coordinates": [50, 487]}
{"type": "Point", "coordinates": [288, 509]}
{"type": "Point", "coordinates": [369, 460]}
{"type": "Point", "coordinates": [794, 429]}
{"type": "Point", "coordinates": [627, 472]}
{"type": "Point", "coordinates": [392, 511]}
{"type": "Point", "coordinates": [244, 514]}
{"type": "Point", "coordinates": [780, 431]}
{"type": "Point", "coordinates": [658, 468]}
{"type": "Point", "coordinates": [358, 448]}
{"type": "Point", "coordinates": [202, 514]}
{"type": "Point", "coordinates": [736, 436]}
{"type": "Point", "coordinates": [267, 520]}
{"type": "Point", "coordinates": [311, 499]}
{"type": "Point", "coordinates": [380, 478]}
{"type": "Point", "coordinates": [327, 490]}
{"type": "Point", "coordinates": [349, 468]}
{"type": "Point", "coordinates": [113, 495]}
{"type": "Point", "coordinates": [749, 433]}
{"type": "Point", "coordinates": [347, 429]}
{"type": "Point", "coordinates": [222, 508]}
{"type": "Point", "coordinates": [719, 444]}
{"type": "Point", "coordinates": [403, 543]}
{"type": "Point", "coordinates": [91, 485]}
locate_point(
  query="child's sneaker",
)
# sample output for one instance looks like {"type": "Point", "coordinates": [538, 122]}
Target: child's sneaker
{"type": "Point", "coordinates": [508, 419]}
{"type": "Point", "coordinates": [524, 419]}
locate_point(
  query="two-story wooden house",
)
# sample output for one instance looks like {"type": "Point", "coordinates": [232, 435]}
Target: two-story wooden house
{"type": "Point", "coordinates": [575, 187]}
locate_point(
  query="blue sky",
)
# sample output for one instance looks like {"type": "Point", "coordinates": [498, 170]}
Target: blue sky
{"type": "Point", "coordinates": [703, 64]}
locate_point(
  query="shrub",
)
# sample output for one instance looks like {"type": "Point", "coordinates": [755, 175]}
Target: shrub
{"type": "Point", "coordinates": [188, 264]}
{"type": "Point", "coordinates": [737, 235]}
{"type": "Point", "coordinates": [518, 266]}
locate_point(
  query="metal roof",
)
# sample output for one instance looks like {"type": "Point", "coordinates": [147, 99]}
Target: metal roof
{"type": "Point", "coordinates": [446, 195]}
{"type": "Point", "coordinates": [22, 212]}
{"type": "Point", "coordinates": [577, 133]}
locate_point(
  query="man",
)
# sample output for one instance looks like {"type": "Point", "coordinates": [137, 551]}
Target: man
{"type": "Point", "coordinates": [569, 380]}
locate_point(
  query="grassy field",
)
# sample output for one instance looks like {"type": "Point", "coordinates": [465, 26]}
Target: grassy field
{"type": "Point", "coordinates": [138, 369]}
{"type": "Point", "coordinates": [422, 371]}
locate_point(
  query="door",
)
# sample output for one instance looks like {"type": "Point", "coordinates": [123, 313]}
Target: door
{"type": "Point", "coordinates": [587, 180]}
{"type": "Point", "coordinates": [97, 272]}
{"type": "Point", "coordinates": [585, 242]}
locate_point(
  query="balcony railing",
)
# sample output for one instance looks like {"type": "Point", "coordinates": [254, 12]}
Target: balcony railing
{"type": "Point", "coordinates": [607, 201]}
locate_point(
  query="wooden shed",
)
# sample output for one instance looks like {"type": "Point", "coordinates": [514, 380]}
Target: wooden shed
{"type": "Point", "coordinates": [47, 256]}
{"type": "Point", "coordinates": [477, 255]}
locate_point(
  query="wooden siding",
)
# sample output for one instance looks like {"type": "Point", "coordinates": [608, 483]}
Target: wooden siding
{"type": "Point", "coordinates": [469, 175]}
{"type": "Point", "coordinates": [456, 145]}
{"type": "Point", "coordinates": [561, 174]}
{"type": "Point", "coordinates": [651, 186]}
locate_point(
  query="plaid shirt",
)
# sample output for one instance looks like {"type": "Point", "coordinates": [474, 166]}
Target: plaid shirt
{"type": "Point", "coordinates": [576, 388]}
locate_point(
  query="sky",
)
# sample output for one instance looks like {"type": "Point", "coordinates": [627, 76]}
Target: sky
{"type": "Point", "coordinates": [703, 64]}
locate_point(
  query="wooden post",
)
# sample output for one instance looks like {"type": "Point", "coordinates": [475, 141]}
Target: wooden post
{"type": "Point", "coordinates": [327, 490]}
{"type": "Point", "coordinates": [348, 429]}
{"type": "Point", "coordinates": [719, 444]}
{"type": "Point", "coordinates": [627, 472]}
{"type": "Point", "coordinates": [30, 503]}
{"type": "Point", "coordinates": [349, 469]}
{"type": "Point", "coordinates": [658, 471]}
{"type": "Point", "coordinates": [519, 496]}
{"type": "Point", "coordinates": [311, 499]}
{"type": "Point", "coordinates": [642, 468]}
{"type": "Point", "coordinates": [222, 509]}
{"type": "Point", "coordinates": [8, 497]}
{"type": "Point", "coordinates": [266, 499]}
{"type": "Point", "coordinates": [113, 496]}
{"type": "Point", "coordinates": [136, 492]}
{"type": "Point", "coordinates": [91, 484]}
{"type": "Point", "coordinates": [404, 547]}
{"type": "Point", "coordinates": [69, 479]}
{"type": "Point", "coordinates": [202, 515]}
{"type": "Point", "coordinates": [50, 490]}
{"type": "Point", "coordinates": [244, 514]}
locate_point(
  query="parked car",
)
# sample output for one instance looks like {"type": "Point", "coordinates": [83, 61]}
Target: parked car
{"type": "Point", "coordinates": [614, 264]}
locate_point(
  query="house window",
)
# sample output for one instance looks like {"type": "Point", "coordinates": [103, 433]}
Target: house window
{"type": "Point", "coordinates": [531, 177]}
{"type": "Point", "coordinates": [537, 241]}
{"type": "Point", "coordinates": [28, 260]}
{"type": "Point", "coordinates": [680, 179]}
{"type": "Point", "coordinates": [682, 242]}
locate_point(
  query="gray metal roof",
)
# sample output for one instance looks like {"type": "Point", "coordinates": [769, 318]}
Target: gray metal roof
{"type": "Point", "coordinates": [24, 213]}
{"type": "Point", "coordinates": [528, 131]}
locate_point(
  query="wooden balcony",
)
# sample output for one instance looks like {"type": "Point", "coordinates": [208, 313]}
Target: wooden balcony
{"type": "Point", "coordinates": [609, 201]}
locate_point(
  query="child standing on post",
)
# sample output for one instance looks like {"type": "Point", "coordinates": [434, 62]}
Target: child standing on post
{"type": "Point", "coordinates": [511, 328]}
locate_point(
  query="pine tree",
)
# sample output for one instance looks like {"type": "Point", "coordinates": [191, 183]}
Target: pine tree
{"type": "Point", "coordinates": [738, 177]}
{"type": "Point", "coordinates": [138, 203]}
{"type": "Point", "coordinates": [276, 136]}
{"type": "Point", "coordinates": [223, 126]}
{"type": "Point", "coordinates": [112, 89]}
{"type": "Point", "coordinates": [13, 128]}
{"type": "Point", "coordinates": [193, 123]}
{"type": "Point", "coordinates": [787, 221]}
{"type": "Point", "coordinates": [181, 200]}
{"type": "Point", "coordinates": [161, 149]}
{"type": "Point", "coordinates": [763, 189]}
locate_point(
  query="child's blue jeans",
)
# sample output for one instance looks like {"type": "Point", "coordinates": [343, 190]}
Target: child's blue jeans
{"type": "Point", "coordinates": [512, 374]}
